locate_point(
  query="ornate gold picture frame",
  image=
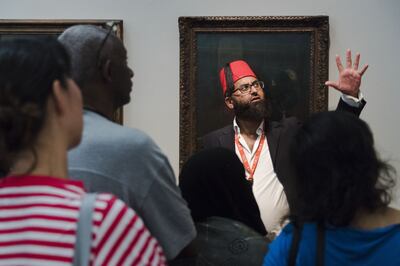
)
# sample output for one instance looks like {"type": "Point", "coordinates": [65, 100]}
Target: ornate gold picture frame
{"type": "Point", "coordinates": [46, 28]}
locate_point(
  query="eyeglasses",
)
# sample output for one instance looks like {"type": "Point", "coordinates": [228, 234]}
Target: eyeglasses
{"type": "Point", "coordinates": [245, 88]}
{"type": "Point", "coordinates": [111, 28]}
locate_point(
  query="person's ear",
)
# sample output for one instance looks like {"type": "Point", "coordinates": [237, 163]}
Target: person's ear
{"type": "Point", "coordinates": [229, 102]}
{"type": "Point", "coordinates": [59, 98]}
{"type": "Point", "coordinates": [106, 71]}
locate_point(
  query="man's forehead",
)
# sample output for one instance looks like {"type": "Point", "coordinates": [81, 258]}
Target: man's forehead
{"type": "Point", "coordinates": [245, 80]}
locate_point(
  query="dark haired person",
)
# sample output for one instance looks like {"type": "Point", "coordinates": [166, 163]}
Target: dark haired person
{"type": "Point", "coordinates": [117, 159]}
{"type": "Point", "coordinates": [212, 183]}
{"type": "Point", "coordinates": [40, 119]}
{"type": "Point", "coordinates": [262, 145]}
{"type": "Point", "coordinates": [342, 188]}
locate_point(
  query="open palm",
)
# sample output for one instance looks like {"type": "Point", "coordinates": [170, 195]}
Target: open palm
{"type": "Point", "coordinates": [350, 77]}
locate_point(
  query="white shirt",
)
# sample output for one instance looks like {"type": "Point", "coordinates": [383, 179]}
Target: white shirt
{"type": "Point", "coordinates": [267, 189]}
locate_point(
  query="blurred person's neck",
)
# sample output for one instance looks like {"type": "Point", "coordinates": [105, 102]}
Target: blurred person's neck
{"type": "Point", "coordinates": [369, 220]}
{"type": "Point", "coordinates": [96, 99]}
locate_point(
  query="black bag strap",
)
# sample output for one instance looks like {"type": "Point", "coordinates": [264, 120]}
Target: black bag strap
{"type": "Point", "coordinates": [294, 247]}
{"type": "Point", "coordinates": [320, 245]}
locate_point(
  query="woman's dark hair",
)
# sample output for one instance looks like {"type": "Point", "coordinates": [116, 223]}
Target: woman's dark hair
{"type": "Point", "coordinates": [338, 170]}
{"type": "Point", "coordinates": [28, 68]}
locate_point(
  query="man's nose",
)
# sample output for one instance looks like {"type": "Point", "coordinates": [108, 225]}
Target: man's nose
{"type": "Point", "coordinates": [253, 90]}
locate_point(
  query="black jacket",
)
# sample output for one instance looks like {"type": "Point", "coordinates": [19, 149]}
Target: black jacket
{"type": "Point", "coordinates": [279, 136]}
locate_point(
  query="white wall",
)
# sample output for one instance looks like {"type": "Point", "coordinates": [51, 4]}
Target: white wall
{"type": "Point", "coordinates": [152, 40]}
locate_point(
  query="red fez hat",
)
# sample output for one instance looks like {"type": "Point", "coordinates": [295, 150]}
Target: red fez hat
{"type": "Point", "coordinates": [239, 69]}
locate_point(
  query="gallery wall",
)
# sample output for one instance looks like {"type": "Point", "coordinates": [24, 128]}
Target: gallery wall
{"type": "Point", "coordinates": [152, 39]}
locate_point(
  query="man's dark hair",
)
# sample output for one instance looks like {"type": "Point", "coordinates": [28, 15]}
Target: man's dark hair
{"type": "Point", "coordinates": [28, 68]}
{"type": "Point", "coordinates": [338, 170]}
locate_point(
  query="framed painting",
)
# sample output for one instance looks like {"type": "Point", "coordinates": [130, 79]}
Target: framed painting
{"type": "Point", "coordinates": [290, 54]}
{"type": "Point", "coordinates": [52, 28]}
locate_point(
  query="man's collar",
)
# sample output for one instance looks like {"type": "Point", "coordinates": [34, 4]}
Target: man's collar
{"type": "Point", "coordinates": [93, 110]}
{"type": "Point", "coordinates": [259, 130]}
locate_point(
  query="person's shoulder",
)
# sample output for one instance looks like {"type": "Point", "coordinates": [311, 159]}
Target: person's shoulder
{"type": "Point", "coordinates": [279, 248]}
{"type": "Point", "coordinates": [212, 139]}
{"type": "Point", "coordinates": [104, 200]}
{"type": "Point", "coordinates": [221, 131]}
{"type": "Point", "coordinates": [287, 122]}
{"type": "Point", "coordinates": [287, 230]}
{"type": "Point", "coordinates": [225, 129]}
{"type": "Point", "coordinates": [135, 136]}
{"type": "Point", "coordinates": [106, 132]}
{"type": "Point", "coordinates": [108, 204]}
{"type": "Point", "coordinates": [289, 125]}
{"type": "Point", "coordinates": [290, 227]}
{"type": "Point", "coordinates": [308, 231]}
{"type": "Point", "coordinates": [112, 213]}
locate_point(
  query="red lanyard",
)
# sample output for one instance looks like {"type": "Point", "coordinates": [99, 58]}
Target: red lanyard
{"type": "Point", "coordinates": [244, 159]}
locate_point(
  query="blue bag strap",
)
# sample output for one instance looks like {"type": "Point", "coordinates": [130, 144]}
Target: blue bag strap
{"type": "Point", "coordinates": [84, 231]}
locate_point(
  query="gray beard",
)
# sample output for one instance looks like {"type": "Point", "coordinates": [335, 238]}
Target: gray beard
{"type": "Point", "coordinates": [251, 111]}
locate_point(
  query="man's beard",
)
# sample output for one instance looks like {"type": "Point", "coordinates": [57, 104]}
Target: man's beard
{"type": "Point", "coordinates": [251, 111]}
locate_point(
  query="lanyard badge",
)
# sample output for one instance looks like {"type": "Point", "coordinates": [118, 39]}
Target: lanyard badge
{"type": "Point", "coordinates": [246, 164]}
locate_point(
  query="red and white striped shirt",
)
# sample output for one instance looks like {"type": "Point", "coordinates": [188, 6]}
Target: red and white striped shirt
{"type": "Point", "coordinates": [38, 219]}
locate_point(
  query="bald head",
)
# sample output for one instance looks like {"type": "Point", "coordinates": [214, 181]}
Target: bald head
{"type": "Point", "coordinates": [99, 66]}
{"type": "Point", "coordinates": [83, 43]}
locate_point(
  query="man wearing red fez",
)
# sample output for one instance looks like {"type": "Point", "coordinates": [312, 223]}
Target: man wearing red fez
{"type": "Point", "coordinates": [263, 145]}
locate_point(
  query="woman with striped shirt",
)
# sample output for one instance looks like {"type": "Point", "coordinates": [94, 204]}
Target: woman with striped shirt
{"type": "Point", "coordinates": [40, 119]}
